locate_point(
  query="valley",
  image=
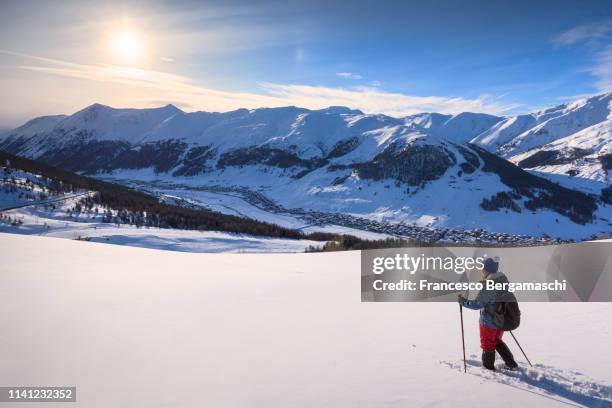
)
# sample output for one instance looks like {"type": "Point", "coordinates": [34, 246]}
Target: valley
{"type": "Point", "coordinates": [469, 177]}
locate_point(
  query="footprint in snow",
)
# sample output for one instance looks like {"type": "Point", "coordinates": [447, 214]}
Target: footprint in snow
{"type": "Point", "coordinates": [548, 381]}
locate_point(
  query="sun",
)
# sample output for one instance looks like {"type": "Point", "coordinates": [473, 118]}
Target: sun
{"type": "Point", "coordinates": [126, 45]}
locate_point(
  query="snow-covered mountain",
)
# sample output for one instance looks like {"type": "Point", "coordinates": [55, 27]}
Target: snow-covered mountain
{"type": "Point", "coordinates": [518, 134]}
{"type": "Point", "coordinates": [417, 170]}
{"type": "Point", "coordinates": [572, 139]}
{"type": "Point", "coordinates": [308, 134]}
{"type": "Point", "coordinates": [585, 154]}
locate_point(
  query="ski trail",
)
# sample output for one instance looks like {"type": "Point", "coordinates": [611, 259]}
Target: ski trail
{"type": "Point", "coordinates": [573, 387]}
{"type": "Point", "coordinates": [37, 203]}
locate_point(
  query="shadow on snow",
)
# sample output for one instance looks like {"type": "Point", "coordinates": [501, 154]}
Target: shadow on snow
{"type": "Point", "coordinates": [573, 387]}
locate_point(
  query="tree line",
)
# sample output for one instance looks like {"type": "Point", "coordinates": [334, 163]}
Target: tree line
{"type": "Point", "coordinates": [129, 206]}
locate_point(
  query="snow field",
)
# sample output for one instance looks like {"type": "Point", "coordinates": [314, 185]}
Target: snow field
{"type": "Point", "coordinates": [135, 327]}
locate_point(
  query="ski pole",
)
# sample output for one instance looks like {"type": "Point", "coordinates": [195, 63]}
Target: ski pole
{"type": "Point", "coordinates": [462, 337]}
{"type": "Point", "coordinates": [518, 344]}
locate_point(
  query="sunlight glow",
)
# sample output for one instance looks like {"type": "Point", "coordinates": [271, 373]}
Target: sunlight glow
{"type": "Point", "coordinates": [126, 45]}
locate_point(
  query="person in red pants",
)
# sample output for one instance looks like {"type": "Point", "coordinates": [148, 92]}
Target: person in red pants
{"type": "Point", "coordinates": [490, 335]}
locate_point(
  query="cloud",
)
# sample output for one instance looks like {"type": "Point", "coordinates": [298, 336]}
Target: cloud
{"type": "Point", "coordinates": [348, 75]}
{"type": "Point", "coordinates": [186, 92]}
{"type": "Point", "coordinates": [584, 32]}
{"type": "Point", "coordinates": [375, 100]}
{"type": "Point", "coordinates": [603, 69]}
{"type": "Point", "coordinates": [167, 59]}
{"type": "Point", "coordinates": [597, 36]}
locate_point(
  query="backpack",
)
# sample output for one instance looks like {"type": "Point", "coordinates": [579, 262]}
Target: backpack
{"type": "Point", "coordinates": [507, 314]}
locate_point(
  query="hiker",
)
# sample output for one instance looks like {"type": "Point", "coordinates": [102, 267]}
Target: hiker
{"type": "Point", "coordinates": [490, 330]}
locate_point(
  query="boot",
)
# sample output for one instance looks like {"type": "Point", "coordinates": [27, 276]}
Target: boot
{"type": "Point", "coordinates": [506, 355]}
{"type": "Point", "coordinates": [488, 360]}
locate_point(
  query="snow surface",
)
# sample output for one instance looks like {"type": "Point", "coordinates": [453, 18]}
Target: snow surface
{"type": "Point", "coordinates": [133, 327]}
{"type": "Point", "coordinates": [519, 134]}
{"type": "Point", "coordinates": [64, 223]}
{"type": "Point", "coordinates": [597, 139]}
{"type": "Point", "coordinates": [56, 216]}
{"type": "Point", "coordinates": [22, 188]}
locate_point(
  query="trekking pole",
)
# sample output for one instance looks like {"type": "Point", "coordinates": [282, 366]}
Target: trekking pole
{"type": "Point", "coordinates": [463, 337]}
{"type": "Point", "coordinates": [518, 344]}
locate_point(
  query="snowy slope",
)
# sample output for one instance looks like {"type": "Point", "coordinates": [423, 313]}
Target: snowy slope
{"type": "Point", "coordinates": [37, 125]}
{"type": "Point", "coordinates": [459, 128]}
{"type": "Point", "coordinates": [465, 126]}
{"type": "Point", "coordinates": [96, 122]}
{"type": "Point", "coordinates": [105, 123]}
{"type": "Point", "coordinates": [63, 223]}
{"type": "Point", "coordinates": [586, 154]}
{"type": "Point", "coordinates": [519, 134]}
{"type": "Point", "coordinates": [31, 204]}
{"type": "Point", "coordinates": [221, 330]}
{"type": "Point", "coordinates": [60, 220]}
{"type": "Point", "coordinates": [21, 188]}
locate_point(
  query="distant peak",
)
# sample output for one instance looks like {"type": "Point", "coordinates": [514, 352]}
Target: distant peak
{"type": "Point", "coordinates": [171, 107]}
{"type": "Point", "coordinates": [340, 110]}
{"type": "Point", "coordinates": [92, 111]}
{"type": "Point", "coordinates": [474, 115]}
{"type": "Point", "coordinates": [267, 110]}
{"type": "Point", "coordinates": [96, 106]}
{"type": "Point", "coordinates": [604, 97]}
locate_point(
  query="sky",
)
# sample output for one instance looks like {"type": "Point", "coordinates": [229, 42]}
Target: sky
{"type": "Point", "coordinates": [391, 57]}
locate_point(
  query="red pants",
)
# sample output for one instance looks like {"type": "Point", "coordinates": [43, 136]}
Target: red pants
{"type": "Point", "coordinates": [489, 337]}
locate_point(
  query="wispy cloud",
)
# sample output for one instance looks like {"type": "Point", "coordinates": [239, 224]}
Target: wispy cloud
{"type": "Point", "coordinates": [348, 75]}
{"type": "Point", "coordinates": [603, 69]}
{"type": "Point", "coordinates": [376, 100]}
{"type": "Point", "coordinates": [597, 35]}
{"type": "Point", "coordinates": [584, 32]}
{"type": "Point", "coordinates": [189, 93]}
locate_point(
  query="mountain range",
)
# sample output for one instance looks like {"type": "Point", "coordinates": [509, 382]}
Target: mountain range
{"type": "Point", "coordinates": [548, 172]}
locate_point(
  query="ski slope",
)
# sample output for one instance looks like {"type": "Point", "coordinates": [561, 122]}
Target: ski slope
{"type": "Point", "coordinates": [132, 327]}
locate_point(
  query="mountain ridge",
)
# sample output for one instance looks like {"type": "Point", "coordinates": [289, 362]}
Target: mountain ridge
{"type": "Point", "coordinates": [313, 133]}
{"type": "Point", "coordinates": [342, 160]}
